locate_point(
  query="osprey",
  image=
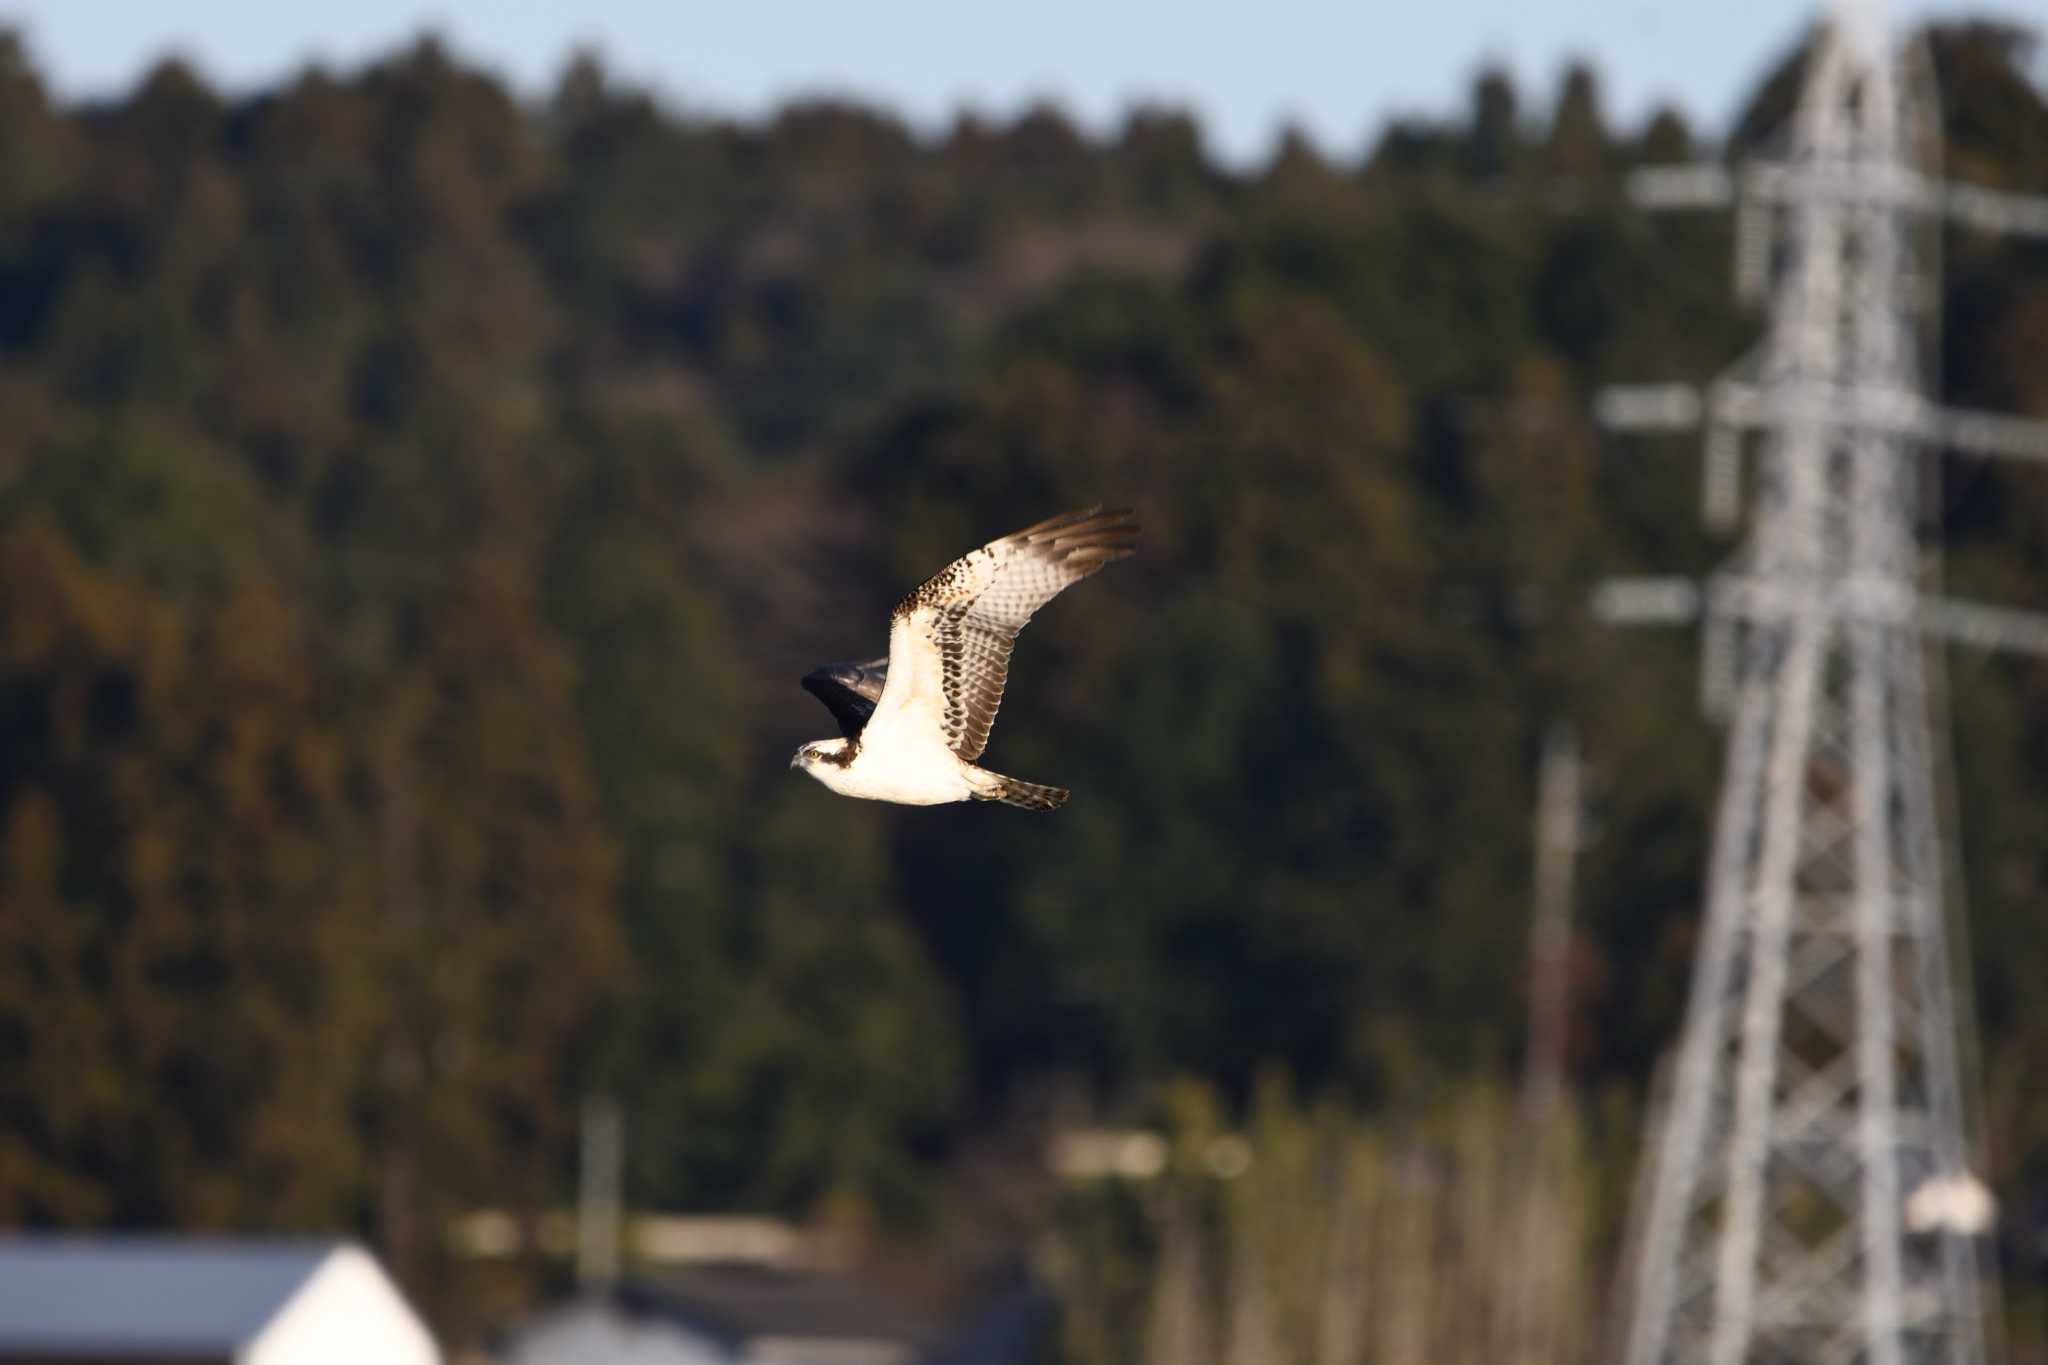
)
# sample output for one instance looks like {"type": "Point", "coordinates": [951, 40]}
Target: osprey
{"type": "Point", "coordinates": [915, 722]}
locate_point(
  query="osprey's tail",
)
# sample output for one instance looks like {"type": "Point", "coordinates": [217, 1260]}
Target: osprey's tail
{"type": "Point", "coordinates": [1011, 792]}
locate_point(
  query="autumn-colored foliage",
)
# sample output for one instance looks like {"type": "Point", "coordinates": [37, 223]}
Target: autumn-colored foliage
{"type": "Point", "coordinates": [416, 510]}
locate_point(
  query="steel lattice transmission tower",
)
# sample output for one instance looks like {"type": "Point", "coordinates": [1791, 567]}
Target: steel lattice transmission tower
{"type": "Point", "coordinates": [1809, 1197]}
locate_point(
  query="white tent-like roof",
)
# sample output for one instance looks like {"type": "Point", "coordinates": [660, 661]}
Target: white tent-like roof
{"type": "Point", "coordinates": [247, 1302]}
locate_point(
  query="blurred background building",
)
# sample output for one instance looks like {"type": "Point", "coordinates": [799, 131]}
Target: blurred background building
{"type": "Point", "coordinates": [121, 1300]}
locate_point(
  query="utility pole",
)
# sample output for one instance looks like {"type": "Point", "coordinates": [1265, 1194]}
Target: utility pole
{"type": "Point", "coordinates": [601, 1182]}
{"type": "Point", "coordinates": [1540, 1293]}
{"type": "Point", "coordinates": [1809, 1196]}
{"type": "Point", "coordinates": [1559, 812]}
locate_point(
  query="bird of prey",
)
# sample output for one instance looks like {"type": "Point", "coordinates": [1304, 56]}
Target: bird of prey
{"type": "Point", "coordinates": [915, 722]}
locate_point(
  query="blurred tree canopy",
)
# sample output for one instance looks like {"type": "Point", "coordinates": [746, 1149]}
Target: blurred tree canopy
{"type": "Point", "coordinates": [416, 509]}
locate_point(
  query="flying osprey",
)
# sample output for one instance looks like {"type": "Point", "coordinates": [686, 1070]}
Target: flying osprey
{"type": "Point", "coordinates": [916, 721]}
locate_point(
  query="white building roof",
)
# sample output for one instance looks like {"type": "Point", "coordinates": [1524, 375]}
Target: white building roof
{"type": "Point", "coordinates": [257, 1302]}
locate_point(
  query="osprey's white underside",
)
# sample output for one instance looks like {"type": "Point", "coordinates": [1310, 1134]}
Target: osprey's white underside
{"type": "Point", "coordinates": [903, 754]}
{"type": "Point", "coordinates": [949, 652]}
{"type": "Point", "coordinates": [906, 777]}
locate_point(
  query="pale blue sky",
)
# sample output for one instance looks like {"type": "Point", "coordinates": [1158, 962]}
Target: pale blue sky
{"type": "Point", "coordinates": [1334, 67]}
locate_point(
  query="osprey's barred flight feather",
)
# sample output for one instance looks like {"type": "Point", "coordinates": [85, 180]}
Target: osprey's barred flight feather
{"type": "Point", "coordinates": [915, 722]}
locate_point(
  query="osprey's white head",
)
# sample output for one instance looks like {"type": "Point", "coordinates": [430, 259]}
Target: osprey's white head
{"type": "Point", "coordinates": [823, 759]}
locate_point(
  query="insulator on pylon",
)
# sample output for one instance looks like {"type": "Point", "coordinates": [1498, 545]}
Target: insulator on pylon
{"type": "Point", "coordinates": [1752, 249]}
{"type": "Point", "coordinates": [1721, 478]}
{"type": "Point", "coordinates": [1718, 646]}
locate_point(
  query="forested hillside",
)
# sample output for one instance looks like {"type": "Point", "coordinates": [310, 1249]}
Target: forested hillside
{"type": "Point", "coordinates": [417, 508]}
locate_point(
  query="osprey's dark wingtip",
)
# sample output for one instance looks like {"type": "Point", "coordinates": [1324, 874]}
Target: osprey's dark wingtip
{"type": "Point", "coordinates": [1093, 520]}
{"type": "Point", "coordinates": [1087, 535]}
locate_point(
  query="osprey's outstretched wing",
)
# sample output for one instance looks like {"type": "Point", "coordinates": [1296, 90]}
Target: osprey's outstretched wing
{"type": "Point", "coordinates": [849, 691]}
{"type": "Point", "coordinates": [956, 630]}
